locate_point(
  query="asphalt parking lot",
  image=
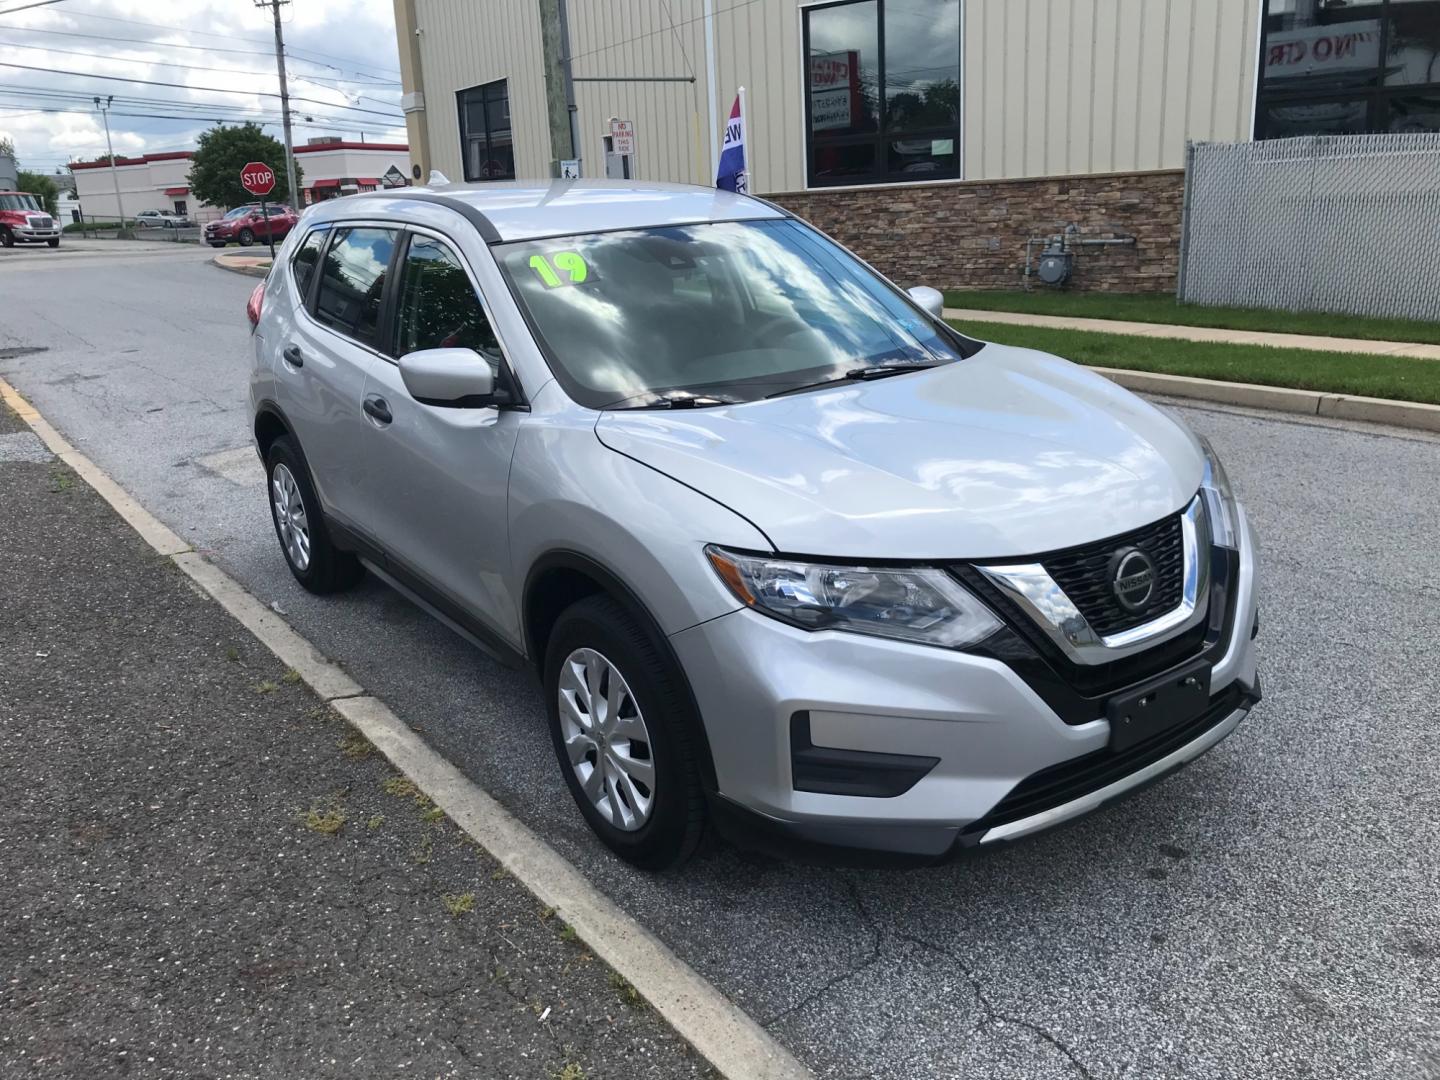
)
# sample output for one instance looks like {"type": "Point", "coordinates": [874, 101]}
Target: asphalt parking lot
{"type": "Point", "coordinates": [1272, 911]}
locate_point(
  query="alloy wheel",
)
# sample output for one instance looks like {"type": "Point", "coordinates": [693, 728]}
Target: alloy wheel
{"type": "Point", "coordinates": [606, 739]}
{"type": "Point", "coordinates": [290, 517]}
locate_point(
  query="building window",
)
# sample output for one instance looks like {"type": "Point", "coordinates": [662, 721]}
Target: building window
{"type": "Point", "coordinates": [485, 142]}
{"type": "Point", "coordinates": [1340, 67]}
{"type": "Point", "coordinates": [882, 102]}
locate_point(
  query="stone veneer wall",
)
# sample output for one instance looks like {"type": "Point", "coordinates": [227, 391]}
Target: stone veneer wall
{"type": "Point", "coordinates": [970, 234]}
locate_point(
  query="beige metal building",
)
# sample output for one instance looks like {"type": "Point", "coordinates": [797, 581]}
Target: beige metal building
{"type": "Point", "coordinates": [936, 136]}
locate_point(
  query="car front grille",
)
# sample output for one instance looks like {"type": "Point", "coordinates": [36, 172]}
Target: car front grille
{"type": "Point", "coordinates": [41, 221]}
{"type": "Point", "coordinates": [1085, 575]}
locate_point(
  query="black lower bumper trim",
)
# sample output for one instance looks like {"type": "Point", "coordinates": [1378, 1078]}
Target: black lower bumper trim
{"type": "Point", "coordinates": [827, 770]}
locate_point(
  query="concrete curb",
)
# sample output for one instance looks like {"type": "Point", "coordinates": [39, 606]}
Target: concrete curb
{"type": "Point", "coordinates": [735, 1045]}
{"type": "Point", "coordinates": [224, 263]}
{"type": "Point", "coordinates": [1407, 414]}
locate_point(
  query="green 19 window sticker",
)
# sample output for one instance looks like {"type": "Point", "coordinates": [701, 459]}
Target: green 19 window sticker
{"type": "Point", "coordinates": [570, 262]}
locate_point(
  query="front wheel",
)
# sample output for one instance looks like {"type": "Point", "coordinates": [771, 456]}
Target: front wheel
{"type": "Point", "coordinates": [7, 238]}
{"type": "Point", "coordinates": [53, 243]}
{"type": "Point", "coordinates": [246, 238]}
{"type": "Point", "coordinates": [313, 559]}
{"type": "Point", "coordinates": [621, 723]}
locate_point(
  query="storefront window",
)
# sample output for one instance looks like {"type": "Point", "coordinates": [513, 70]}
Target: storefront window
{"type": "Point", "coordinates": [884, 91]}
{"type": "Point", "coordinates": [486, 145]}
{"type": "Point", "coordinates": [1348, 66]}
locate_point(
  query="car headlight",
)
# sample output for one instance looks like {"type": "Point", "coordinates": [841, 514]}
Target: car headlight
{"type": "Point", "coordinates": [1219, 500]}
{"type": "Point", "coordinates": [921, 604]}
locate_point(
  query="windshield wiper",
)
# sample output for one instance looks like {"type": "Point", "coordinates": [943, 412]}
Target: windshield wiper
{"type": "Point", "coordinates": [860, 374]}
{"type": "Point", "coordinates": [676, 401]}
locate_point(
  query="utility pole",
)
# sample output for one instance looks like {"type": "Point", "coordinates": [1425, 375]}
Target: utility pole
{"type": "Point", "coordinates": [114, 172]}
{"type": "Point", "coordinates": [274, 6]}
{"type": "Point", "coordinates": [559, 91]}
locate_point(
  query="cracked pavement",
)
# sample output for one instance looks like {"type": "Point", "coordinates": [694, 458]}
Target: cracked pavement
{"type": "Point", "coordinates": [1273, 910]}
{"type": "Point", "coordinates": [205, 873]}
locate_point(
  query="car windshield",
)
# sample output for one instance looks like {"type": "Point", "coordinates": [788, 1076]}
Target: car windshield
{"type": "Point", "coordinates": [730, 311]}
{"type": "Point", "coordinates": [19, 202]}
{"type": "Point", "coordinates": [240, 211]}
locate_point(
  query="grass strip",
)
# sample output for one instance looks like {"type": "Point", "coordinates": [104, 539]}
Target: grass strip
{"type": "Point", "coordinates": [1163, 308]}
{"type": "Point", "coordinates": [1355, 374]}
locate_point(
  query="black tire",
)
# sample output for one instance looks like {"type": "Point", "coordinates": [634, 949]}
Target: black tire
{"type": "Point", "coordinates": [7, 238]}
{"type": "Point", "coordinates": [329, 569]}
{"type": "Point", "coordinates": [53, 243]}
{"type": "Point", "coordinates": [677, 822]}
{"type": "Point", "coordinates": [246, 238]}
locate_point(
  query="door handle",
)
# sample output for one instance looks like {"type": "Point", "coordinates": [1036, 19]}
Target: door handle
{"type": "Point", "coordinates": [377, 408]}
{"type": "Point", "coordinates": [293, 356]}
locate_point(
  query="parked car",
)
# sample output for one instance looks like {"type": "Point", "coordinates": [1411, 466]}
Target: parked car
{"type": "Point", "coordinates": [23, 220]}
{"type": "Point", "coordinates": [161, 219]}
{"type": "Point", "coordinates": [792, 557]}
{"type": "Point", "coordinates": [246, 225]}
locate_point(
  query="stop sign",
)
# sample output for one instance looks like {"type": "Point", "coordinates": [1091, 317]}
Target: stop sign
{"type": "Point", "coordinates": [257, 178]}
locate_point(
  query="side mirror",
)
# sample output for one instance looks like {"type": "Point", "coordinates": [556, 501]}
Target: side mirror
{"type": "Point", "coordinates": [455, 377]}
{"type": "Point", "coordinates": [930, 300]}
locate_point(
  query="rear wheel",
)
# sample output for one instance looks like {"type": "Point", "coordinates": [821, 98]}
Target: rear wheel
{"type": "Point", "coordinates": [300, 524]}
{"type": "Point", "coordinates": [246, 238]}
{"type": "Point", "coordinates": [621, 726]}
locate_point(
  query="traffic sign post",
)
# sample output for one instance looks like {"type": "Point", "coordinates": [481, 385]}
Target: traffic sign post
{"type": "Point", "coordinates": [259, 179]}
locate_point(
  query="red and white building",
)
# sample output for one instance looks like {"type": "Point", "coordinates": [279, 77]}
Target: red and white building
{"type": "Point", "coordinates": [329, 168]}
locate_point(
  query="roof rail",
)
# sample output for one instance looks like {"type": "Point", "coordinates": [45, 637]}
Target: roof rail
{"type": "Point", "coordinates": [483, 225]}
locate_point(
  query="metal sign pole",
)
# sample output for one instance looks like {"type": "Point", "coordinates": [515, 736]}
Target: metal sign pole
{"type": "Point", "coordinates": [269, 228]}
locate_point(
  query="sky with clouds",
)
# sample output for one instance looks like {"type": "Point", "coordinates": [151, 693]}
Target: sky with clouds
{"type": "Point", "coordinates": [340, 54]}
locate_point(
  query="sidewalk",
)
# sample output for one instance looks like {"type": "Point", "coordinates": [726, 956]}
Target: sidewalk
{"type": "Point", "coordinates": [1201, 333]}
{"type": "Point", "coordinates": [207, 873]}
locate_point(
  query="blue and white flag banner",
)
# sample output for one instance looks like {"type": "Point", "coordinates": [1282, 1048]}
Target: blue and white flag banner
{"type": "Point", "coordinates": [732, 174]}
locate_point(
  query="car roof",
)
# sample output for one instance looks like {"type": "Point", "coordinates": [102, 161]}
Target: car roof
{"type": "Point", "coordinates": [528, 209]}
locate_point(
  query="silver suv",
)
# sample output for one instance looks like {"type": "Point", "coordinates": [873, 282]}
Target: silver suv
{"type": "Point", "coordinates": [794, 559]}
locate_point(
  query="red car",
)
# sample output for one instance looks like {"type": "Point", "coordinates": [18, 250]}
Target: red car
{"type": "Point", "coordinates": [23, 220]}
{"type": "Point", "coordinates": [246, 224]}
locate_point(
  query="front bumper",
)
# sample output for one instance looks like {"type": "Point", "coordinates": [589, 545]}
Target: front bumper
{"type": "Point", "coordinates": [976, 730]}
{"type": "Point", "coordinates": [34, 236]}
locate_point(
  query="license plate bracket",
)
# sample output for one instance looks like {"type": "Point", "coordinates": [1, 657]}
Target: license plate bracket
{"type": "Point", "coordinates": [1158, 705]}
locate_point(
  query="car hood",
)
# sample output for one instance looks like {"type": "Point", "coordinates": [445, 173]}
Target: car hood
{"type": "Point", "coordinates": [1011, 452]}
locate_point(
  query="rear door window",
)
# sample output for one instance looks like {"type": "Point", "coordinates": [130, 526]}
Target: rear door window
{"type": "Point", "coordinates": [352, 282]}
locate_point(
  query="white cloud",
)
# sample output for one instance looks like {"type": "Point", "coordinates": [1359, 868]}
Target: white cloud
{"type": "Point", "coordinates": [357, 36]}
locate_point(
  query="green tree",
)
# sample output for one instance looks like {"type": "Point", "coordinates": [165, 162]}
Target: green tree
{"type": "Point", "coordinates": [44, 188]}
{"type": "Point", "coordinates": [222, 152]}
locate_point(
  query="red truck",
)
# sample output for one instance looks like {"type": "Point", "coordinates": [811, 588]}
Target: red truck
{"type": "Point", "coordinates": [23, 220]}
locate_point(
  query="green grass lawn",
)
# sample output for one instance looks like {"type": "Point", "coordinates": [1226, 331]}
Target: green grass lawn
{"type": "Point", "coordinates": [1163, 308]}
{"type": "Point", "coordinates": [1361, 374]}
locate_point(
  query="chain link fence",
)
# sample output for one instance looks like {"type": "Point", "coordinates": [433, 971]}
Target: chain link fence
{"type": "Point", "coordinates": [1346, 223]}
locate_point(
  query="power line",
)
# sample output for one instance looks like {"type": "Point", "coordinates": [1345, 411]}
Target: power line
{"type": "Point", "coordinates": [187, 86]}
{"type": "Point", "coordinates": [319, 79]}
{"type": "Point", "coordinates": [201, 110]}
{"type": "Point", "coordinates": [33, 110]}
{"type": "Point", "coordinates": [194, 48]}
{"type": "Point", "coordinates": [27, 7]}
{"type": "Point", "coordinates": [663, 30]}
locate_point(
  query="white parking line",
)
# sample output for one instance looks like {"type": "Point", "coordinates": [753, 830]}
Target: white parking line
{"type": "Point", "coordinates": [734, 1044]}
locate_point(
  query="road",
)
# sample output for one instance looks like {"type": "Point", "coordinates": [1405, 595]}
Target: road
{"type": "Point", "coordinates": [1274, 910]}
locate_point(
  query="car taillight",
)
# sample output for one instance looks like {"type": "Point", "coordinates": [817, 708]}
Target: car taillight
{"type": "Point", "coordinates": [252, 309]}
